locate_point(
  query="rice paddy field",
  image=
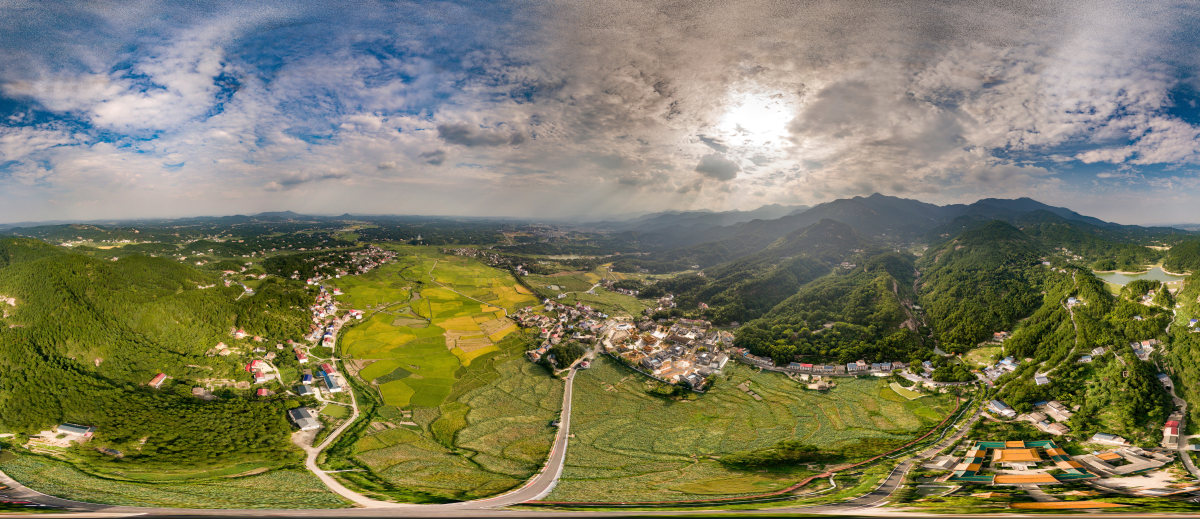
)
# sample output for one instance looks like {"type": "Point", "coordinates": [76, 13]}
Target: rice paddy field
{"type": "Point", "coordinates": [632, 446]}
{"type": "Point", "coordinates": [285, 488]}
{"type": "Point", "coordinates": [463, 414]}
{"type": "Point", "coordinates": [575, 285]}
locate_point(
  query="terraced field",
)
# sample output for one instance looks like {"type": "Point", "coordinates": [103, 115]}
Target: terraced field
{"type": "Point", "coordinates": [274, 489]}
{"type": "Point", "coordinates": [630, 445]}
{"type": "Point", "coordinates": [464, 414]}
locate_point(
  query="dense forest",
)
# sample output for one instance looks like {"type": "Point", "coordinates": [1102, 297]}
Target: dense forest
{"type": "Point", "coordinates": [980, 282]}
{"type": "Point", "coordinates": [1183, 257]}
{"type": "Point", "coordinates": [847, 316]}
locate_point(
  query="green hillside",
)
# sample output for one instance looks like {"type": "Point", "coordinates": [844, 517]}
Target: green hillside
{"type": "Point", "coordinates": [86, 335]}
{"type": "Point", "coordinates": [980, 282]}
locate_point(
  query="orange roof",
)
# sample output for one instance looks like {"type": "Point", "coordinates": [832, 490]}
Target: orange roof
{"type": "Point", "coordinates": [1055, 451]}
{"type": "Point", "coordinates": [1064, 505]}
{"type": "Point", "coordinates": [973, 467]}
{"type": "Point", "coordinates": [1014, 444]}
{"type": "Point", "coordinates": [1011, 479]}
{"type": "Point", "coordinates": [1108, 456]}
{"type": "Point", "coordinates": [1069, 464]}
{"type": "Point", "coordinates": [1015, 455]}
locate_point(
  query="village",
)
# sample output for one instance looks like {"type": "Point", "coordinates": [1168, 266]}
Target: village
{"type": "Point", "coordinates": [686, 352]}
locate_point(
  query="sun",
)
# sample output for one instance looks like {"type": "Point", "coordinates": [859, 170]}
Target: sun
{"type": "Point", "coordinates": [756, 119]}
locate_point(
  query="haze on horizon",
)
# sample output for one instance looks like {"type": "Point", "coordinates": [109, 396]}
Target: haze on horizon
{"type": "Point", "coordinates": [593, 109]}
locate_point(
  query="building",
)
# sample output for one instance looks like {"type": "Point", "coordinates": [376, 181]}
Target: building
{"type": "Point", "coordinates": [75, 432]}
{"type": "Point", "coordinates": [1057, 411]}
{"type": "Point", "coordinates": [327, 368]}
{"type": "Point", "coordinates": [331, 383]}
{"type": "Point", "coordinates": [304, 418]}
{"type": "Point", "coordinates": [304, 390]}
{"type": "Point", "coordinates": [1002, 409]}
{"type": "Point", "coordinates": [1040, 380]}
{"type": "Point", "coordinates": [301, 357]}
{"type": "Point", "coordinates": [1109, 439]}
{"type": "Point", "coordinates": [157, 381]}
{"type": "Point", "coordinates": [1171, 434]}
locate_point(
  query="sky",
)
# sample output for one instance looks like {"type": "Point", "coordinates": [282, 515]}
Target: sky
{"type": "Point", "coordinates": [594, 109]}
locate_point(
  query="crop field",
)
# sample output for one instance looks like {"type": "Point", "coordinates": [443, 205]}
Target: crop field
{"type": "Point", "coordinates": [630, 445]}
{"type": "Point", "coordinates": [274, 489]}
{"type": "Point", "coordinates": [437, 347]}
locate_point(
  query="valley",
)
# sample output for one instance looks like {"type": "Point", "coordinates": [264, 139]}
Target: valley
{"type": "Point", "coordinates": [434, 355]}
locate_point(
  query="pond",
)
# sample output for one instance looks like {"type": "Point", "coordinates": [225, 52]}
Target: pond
{"type": "Point", "coordinates": [1154, 274]}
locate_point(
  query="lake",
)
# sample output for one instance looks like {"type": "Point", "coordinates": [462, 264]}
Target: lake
{"type": "Point", "coordinates": [1154, 274]}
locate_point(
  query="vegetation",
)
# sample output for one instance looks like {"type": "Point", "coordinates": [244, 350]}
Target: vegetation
{"type": "Point", "coordinates": [87, 334]}
{"type": "Point", "coordinates": [632, 445]}
{"type": "Point", "coordinates": [285, 488]}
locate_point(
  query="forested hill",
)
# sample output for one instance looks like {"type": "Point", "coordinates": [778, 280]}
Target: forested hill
{"type": "Point", "coordinates": [1184, 257]}
{"type": "Point", "coordinates": [980, 282]}
{"type": "Point", "coordinates": [860, 313]}
{"type": "Point", "coordinates": [86, 335]}
{"type": "Point", "coordinates": [746, 288]}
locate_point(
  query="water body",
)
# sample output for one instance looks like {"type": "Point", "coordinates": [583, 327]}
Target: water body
{"type": "Point", "coordinates": [1154, 274]}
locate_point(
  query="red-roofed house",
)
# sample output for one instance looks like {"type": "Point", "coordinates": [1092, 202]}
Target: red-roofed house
{"type": "Point", "coordinates": [301, 357]}
{"type": "Point", "coordinates": [262, 391]}
{"type": "Point", "coordinates": [260, 377]}
{"type": "Point", "coordinates": [1171, 434]}
{"type": "Point", "coordinates": [327, 368]}
{"type": "Point", "coordinates": [157, 381]}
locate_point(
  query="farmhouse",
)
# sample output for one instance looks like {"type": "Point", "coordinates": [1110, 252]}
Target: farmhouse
{"type": "Point", "coordinates": [74, 432]}
{"type": "Point", "coordinates": [157, 381]}
{"type": "Point", "coordinates": [304, 418]}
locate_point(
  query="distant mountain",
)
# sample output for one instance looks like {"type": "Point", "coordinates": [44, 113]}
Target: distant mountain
{"type": "Point", "coordinates": [691, 221]}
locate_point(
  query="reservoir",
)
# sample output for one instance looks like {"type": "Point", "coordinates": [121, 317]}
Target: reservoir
{"type": "Point", "coordinates": [1154, 274]}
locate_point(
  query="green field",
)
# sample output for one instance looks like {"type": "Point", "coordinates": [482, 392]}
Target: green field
{"type": "Point", "coordinates": [630, 445]}
{"type": "Point", "coordinates": [983, 356]}
{"type": "Point", "coordinates": [576, 283]}
{"type": "Point", "coordinates": [463, 414]}
{"type": "Point", "coordinates": [275, 489]}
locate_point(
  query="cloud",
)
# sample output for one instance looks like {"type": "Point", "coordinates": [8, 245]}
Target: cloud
{"type": "Point", "coordinates": [718, 167]}
{"type": "Point", "coordinates": [471, 136]}
{"type": "Point", "coordinates": [607, 105]}
{"type": "Point", "coordinates": [434, 158]}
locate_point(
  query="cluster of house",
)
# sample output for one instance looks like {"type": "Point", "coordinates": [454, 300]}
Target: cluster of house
{"type": "Point", "coordinates": [559, 322]}
{"type": "Point", "coordinates": [1002, 367]}
{"type": "Point", "coordinates": [608, 284]}
{"type": "Point", "coordinates": [1049, 417]}
{"type": "Point", "coordinates": [1143, 349]}
{"type": "Point", "coordinates": [353, 263]}
{"type": "Point", "coordinates": [260, 370]}
{"type": "Point", "coordinates": [850, 369]}
{"type": "Point", "coordinates": [1097, 352]}
{"type": "Point", "coordinates": [326, 323]}
{"type": "Point", "coordinates": [687, 351]}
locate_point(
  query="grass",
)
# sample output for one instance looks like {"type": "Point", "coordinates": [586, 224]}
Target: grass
{"type": "Point", "coordinates": [284, 488]}
{"type": "Point", "coordinates": [904, 392]}
{"type": "Point", "coordinates": [632, 446]}
{"type": "Point", "coordinates": [983, 356]}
